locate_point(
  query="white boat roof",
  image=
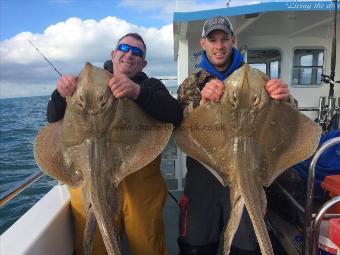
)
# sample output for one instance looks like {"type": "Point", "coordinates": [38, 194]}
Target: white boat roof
{"type": "Point", "coordinates": [293, 6]}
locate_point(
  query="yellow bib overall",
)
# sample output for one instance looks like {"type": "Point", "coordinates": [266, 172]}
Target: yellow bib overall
{"type": "Point", "coordinates": [144, 195]}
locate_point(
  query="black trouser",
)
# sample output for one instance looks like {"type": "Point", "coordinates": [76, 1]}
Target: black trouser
{"type": "Point", "coordinates": [205, 209]}
{"type": "Point", "coordinates": [187, 249]}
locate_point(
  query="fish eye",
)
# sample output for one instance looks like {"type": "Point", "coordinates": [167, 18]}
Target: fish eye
{"type": "Point", "coordinates": [81, 102]}
{"type": "Point", "coordinates": [234, 99]}
{"type": "Point", "coordinates": [102, 101]}
{"type": "Point", "coordinates": [256, 99]}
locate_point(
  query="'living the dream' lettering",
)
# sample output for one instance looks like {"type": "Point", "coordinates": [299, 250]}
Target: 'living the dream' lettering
{"type": "Point", "coordinates": [311, 5]}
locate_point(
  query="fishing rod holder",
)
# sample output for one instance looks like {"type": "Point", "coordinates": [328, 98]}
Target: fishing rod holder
{"type": "Point", "coordinates": [328, 114]}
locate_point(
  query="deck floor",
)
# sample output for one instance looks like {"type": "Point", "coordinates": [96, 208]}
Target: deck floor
{"type": "Point", "coordinates": [170, 213]}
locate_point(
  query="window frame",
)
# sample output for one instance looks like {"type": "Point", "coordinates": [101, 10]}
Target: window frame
{"type": "Point", "coordinates": [294, 67]}
{"type": "Point", "coordinates": [269, 61]}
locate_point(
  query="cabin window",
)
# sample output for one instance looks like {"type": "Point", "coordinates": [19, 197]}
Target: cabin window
{"type": "Point", "coordinates": [266, 60]}
{"type": "Point", "coordinates": [274, 69]}
{"type": "Point", "coordinates": [307, 66]}
{"type": "Point", "coordinates": [260, 66]}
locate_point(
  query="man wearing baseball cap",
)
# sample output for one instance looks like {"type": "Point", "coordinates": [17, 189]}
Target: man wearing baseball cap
{"type": "Point", "coordinates": [206, 204]}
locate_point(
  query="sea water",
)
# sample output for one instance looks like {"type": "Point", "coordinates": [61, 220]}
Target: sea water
{"type": "Point", "coordinates": [20, 121]}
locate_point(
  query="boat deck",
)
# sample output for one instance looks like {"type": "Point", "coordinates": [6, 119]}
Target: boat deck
{"type": "Point", "coordinates": [171, 212]}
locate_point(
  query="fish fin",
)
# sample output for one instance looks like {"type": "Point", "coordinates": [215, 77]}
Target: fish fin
{"type": "Point", "coordinates": [288, 137]}
{"type": "Point", "coordinates": [133, 130]}
{"type": "Point", "coordinates": [48, 155]}
{"type": "Point", "coordinates": [202, 136]}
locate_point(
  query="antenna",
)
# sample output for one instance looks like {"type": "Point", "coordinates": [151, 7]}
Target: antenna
{"type": "Point", "coordinates": [45, 58]}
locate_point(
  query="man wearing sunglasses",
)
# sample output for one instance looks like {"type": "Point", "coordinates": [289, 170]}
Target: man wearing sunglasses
{"type": "Point", "coordinates": [144, 192]}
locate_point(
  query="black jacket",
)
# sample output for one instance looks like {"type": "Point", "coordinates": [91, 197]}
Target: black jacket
{"type": "Point", "coordinates": [154, 99]}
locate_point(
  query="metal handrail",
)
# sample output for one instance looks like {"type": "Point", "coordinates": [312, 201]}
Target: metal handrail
{"type": "Point", "coordinates": [309, 109]}
{"type": "Point", "coordinates": [308, 237]}
{"type": "Point", "coordinates": [317, 222]}
{"type": "Point", "coordinates": [299, 207]}
{"type": "Point", "coordinates": [290, 197]}
{"type": "Point", "coordinates": [19, 187]}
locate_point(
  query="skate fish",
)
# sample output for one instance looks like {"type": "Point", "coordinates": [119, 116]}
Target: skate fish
{"type": "Point", "coordinates": [246, 141]}
{"type": "Point", "coordinates": [99, 142]}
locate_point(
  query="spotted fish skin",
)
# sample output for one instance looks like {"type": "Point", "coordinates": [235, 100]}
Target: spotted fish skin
{"type": "Point", "coordinates": [95, 146]}
{"type": "Point", "coordinates": [259, 139]}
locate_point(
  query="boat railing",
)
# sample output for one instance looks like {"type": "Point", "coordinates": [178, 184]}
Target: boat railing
{"type": "Point", "coordinates": [317, 222]}
{"type": "Point", "coordinates": [19, 187]}
{"type": "Point", "coordinates": [309, 242]}
{"type": "Point", "coordinates": [171, 83]}
{"type": "Point", "coordinates": [312, 220]}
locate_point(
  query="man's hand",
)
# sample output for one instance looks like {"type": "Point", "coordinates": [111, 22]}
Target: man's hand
{"type": "Point", "coordinates": [277, 89]}
{"type": "Point", "coordinates": [66, 85]}
{"type": "Point", "coordinates": [122, 86]}
{"type": "Point", "coordinates": [212, 91]}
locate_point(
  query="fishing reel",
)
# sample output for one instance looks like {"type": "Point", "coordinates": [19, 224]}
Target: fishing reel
{"type": "Point", "coordinates": [328, 115]}
{"type": "Point", "coordinates": [327, 79]}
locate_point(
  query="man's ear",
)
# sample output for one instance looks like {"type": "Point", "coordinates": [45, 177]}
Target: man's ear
{"type": "Point", "coordinates": [233, 39]}
{"type": "Point", "coordinates": [144, 63]}
{"type": "Point", "coordinates": [203, 43]}
{"type": "Point", "coordinates": [113, 53]}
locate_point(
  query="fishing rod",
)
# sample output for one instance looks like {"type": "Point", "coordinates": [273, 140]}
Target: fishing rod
{"type": "Point", "coordinates": [330, 79]}
{"type": "Point", "coordinates": [333, 59]}
{"type": "Point", "coordinates": [45, 58]}
{"type": "Point", "coordinates": [329, 114]}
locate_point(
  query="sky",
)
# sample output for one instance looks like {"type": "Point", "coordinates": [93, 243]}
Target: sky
{"type": "Point", "coordinates": [70, 33]}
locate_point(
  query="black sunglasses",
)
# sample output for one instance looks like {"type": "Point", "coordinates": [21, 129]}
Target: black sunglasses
{"type": "Point", "coordinates": [135, 50]}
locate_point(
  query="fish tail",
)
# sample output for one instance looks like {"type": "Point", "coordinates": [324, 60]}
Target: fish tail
{"type": "Point", "coordinates": [90, 231]}
{"type": "Point", "coordinates": [105, 197]}
{"type": "Point", "coordinates": [237, 205]}
{"type": "Point", "coordinates": [256, 209]}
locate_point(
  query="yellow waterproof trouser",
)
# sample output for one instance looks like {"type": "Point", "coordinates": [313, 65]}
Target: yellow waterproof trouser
{"type": "Point", "coordinates": [144, 195]}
